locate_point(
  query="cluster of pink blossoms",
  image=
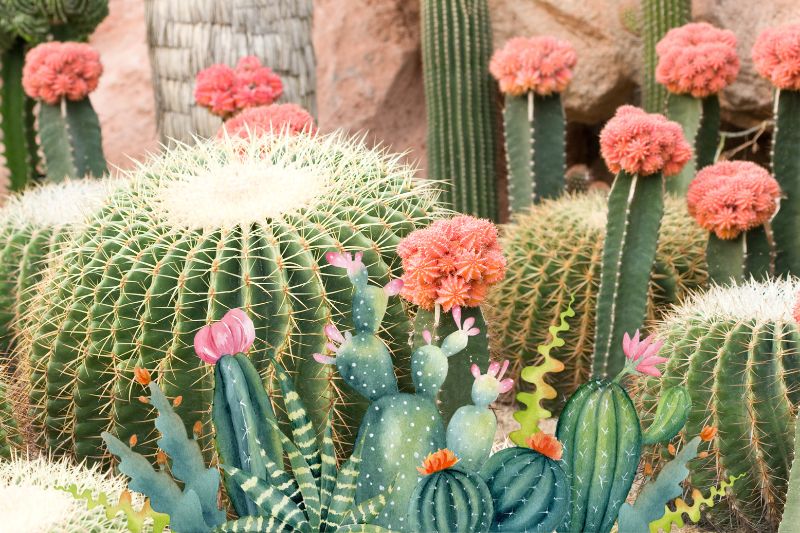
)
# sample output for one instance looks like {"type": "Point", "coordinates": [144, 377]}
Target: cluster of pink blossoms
{"type": "Point", "coordinates": [58, 70]}
{"type": "Point", "coordinates": [643, 143]}
{"type": "Point", "coordinates": [539, 64]}
{"type": "Point", "coordinates": [259, 120]}
{"type": "Point", "coordinates": [697, 59]}
{"type": "Point", "coordinates": [732, 196]}
{"type": "Point", "coordinates": [776, 54]}
{"type": "Point", "coordinates": [451, 263]}
{"type": "Point", "coordinates": [225, 90]}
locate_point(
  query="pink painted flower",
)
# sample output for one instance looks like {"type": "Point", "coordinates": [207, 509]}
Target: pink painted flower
{"type": "Point", "coordinates": [697, 59]}
{"type": "Point", "coordinates": [57, 70]}
{"type": "Point", "coordinates": [776, 55]}
{"type": "Point", "coordinates": [354, 264]}
{"type": "Point", "coordinates": [643, 354]}
{"type": "Point", "coordinates": [730, 197]}
{"type": "Point", "coordinates": [257, 121]}
{"type": "Point", "coordinates": [215, 89]}
{"type": "Point", "coordinates": [495, 374]}
{"type": "Point", "coordinates": [451, 263]}
{"type": "Point", "coordinates": [643, 143]}
{"type": "Point", "coordinates": [540, 64]}
{"type": "Point", "coordinates": [256, 85]}
{"type": "Point", "coordinates": [466, 327]}
{"type": "Point", "coordinates": [233, 334]}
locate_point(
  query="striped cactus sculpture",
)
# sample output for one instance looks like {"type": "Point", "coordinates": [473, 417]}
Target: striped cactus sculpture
{"type": "Point", "coordinates": [460, 99]}
{"type": "Point", "coordinates": [199, 231]}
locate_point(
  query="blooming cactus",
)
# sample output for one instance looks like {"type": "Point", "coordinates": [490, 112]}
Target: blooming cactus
{"type": "Point", "coordinates": [233, 334]}
{"type": "Point", "coordinates": [57, 70]}
{"type": "Point", "coordinates": [541, 64]}
{"type": "Point", "coordinates": [642, 355]}
{"type": "Point", "coordinates": [224, 90]}
{"type": "Point", "coordinates": [266, 119]}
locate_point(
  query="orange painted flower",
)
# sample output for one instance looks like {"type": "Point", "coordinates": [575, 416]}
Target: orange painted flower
{"type": "Point", "coordinates": [643, 143]}
{"type": "Point", "coordinates": [545, 444]}
{"type": "Point", "coordinates": [541, 64]}
{"type": "Point", "coordinates": [776, 55]}
{"type": "Point", "coordinates": [451, 263]}
{"type": "Point", "coordinates": [141, 375]}
{"type": "Point", "coordinates": [57, 70]}
{"type": "Point", "coordinates": [264, 119]}
{"type": "Point", "coordinates": [732, 196]}
{"type": "Point", "coordinates": [697, 59]}
{"type": "Point", "coordinates": [440, 460]}
{"type": "Point", "coordinates": [708, 433]}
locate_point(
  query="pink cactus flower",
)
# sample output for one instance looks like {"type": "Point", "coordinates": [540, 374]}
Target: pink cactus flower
{"type": "Point", "coordinates": [215, 89]}
{"type": "Point", "coordinates": [335, 341]}
{"type": "Point", "coordinates": [352, 263]}
{"type": "Point", "coordinates": [468, 323]}
{"type": "Point", "coordinates": [260, 120]}
{"type": "Point", "coordinates": [776, 55]}
{"type": "Point", "coordinates": [541, 64]}
{"type": "Point", "coordinates": [643, 143]}
{"type": "Point", "coordinates": [55, 70]}
{"type": "Point", "coordinates": [643, 354]}
{"type": "Point", "coordinates": [496, 371]}
{"type": "Point", "coordinates": [256, 85]}
{"type": "Point", "coordinates": [233, 334]}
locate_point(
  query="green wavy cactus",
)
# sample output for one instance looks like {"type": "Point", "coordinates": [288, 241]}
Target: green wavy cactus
{"type": "Point", "coordinates": [736, 350]}
{"type": "Point", "coordinates": [659, 16]}
{"type": "Point", "coordinates": [554, 253]}
{"type": "Point", "coordinates": [459, 101]}
{"type": "Point", "coordinates": [453, 499]}
{"type": "Point", "coordinates": [530, 490]}
{"type": "Point", "coordinates": [194, 233]}
{"type": "Point", "coordinates": [535, 130]}
{"type": "Point", "coordinates": [71, 140]}
{"type": "Point", "coordinates": [786, 169]}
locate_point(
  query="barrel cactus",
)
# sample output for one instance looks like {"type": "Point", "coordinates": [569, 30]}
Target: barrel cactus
{"type": "Point", "coordinates": [450, 498]}
{"type": "Point", "coordinates": [196, 232]}
{"type": "Point", "coordinates": [736, 351]}
{"type": "Point", "coordinates": [33, 225]}
{"type": "Point", "coordinates": [553, 253]}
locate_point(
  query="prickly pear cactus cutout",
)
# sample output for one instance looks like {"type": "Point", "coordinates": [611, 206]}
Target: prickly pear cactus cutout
{"type": "Point", "coordinates": [399, 429]}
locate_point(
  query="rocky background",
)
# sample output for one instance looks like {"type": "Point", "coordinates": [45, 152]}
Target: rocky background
{"type": "Point", "coordinates": [369, 67]}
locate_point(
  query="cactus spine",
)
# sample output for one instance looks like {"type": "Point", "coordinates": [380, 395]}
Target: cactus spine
{"type": "Point", "coordinates": [786, 168]}
{"type": "Point", "coordinates": [736, 351]}
{"type": "Point", "coordinates": [554, 252]}
{"type": "Point", "coordinates": [659, 17]}
{"type": "Point", "coordinates": [459, 100]}
{"type": "Point", "coordinates": [10, 436]}
{"type": "Point", "coordinates": [530, 491]}
{"type": "Point", "coordinates": [535, 130]}
{"type": "Point", "coordinates": [195, 233]}
{"type": "Point", "coordinates": [700, 120]}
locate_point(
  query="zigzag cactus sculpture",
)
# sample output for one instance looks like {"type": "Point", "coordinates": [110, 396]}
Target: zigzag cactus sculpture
{"type": "Point", "coordinates": [659, 16]}
{"type": "Point", "coordinates": [201, 230]}
{"type": "Point", "coordinates": [398, 428]}
{"type": "Point", "coordinates": [459, 102]}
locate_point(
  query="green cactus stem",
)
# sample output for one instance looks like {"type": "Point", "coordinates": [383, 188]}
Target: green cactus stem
{"type": "Point", "coordinates": [700, 120]}
{"type": "Point", "coordinates": [534, 128]}
{"type": "Point", "coordinates": [451, 500]}
{"type": "Point", "coordinates": [707, 139]}
{"type": "Point", "coordinates": [71, 140]}
{"type": "Point", "coordinates": [19, 143]}
{"type": "Point", "coordinates": [459, 102]}
{"type": "Point", "coordinates": [635, 207]}
{"type": "Point", "coordinates": [791, 511]}
{"type": "Point", "coordinates": [735, 260]}
{"type": "Point", "coordinates": [786, 169]}
{"type": "Point", "coordinates": [659, 16]}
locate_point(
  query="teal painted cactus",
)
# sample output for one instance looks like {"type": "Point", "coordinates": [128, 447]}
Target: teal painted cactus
{"type": "Point", "coordinates": [529, 488]}
{"type": "Point", "coordinates": [532, 73]}
{"type": "Point", "coordinates": [399, 429]}
{"type": "Point", "coordinates": [470, 433]}
{"type": "Point", "coordinates": [450, 498]}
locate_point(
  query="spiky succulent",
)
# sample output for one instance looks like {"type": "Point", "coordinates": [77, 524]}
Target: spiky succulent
{"type": "Point", "coordinates": [554, 252]}
{"type": "Point", "coordinates": [64, 19]}
{"type": "Point", "coordinates": [33, 225]}
{"type": "Point", "coordinates": [198, 231]}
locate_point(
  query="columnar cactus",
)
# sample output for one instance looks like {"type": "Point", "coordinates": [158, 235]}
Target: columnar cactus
{"type": "Point", "coordinates": [643, 149]}
{"type": "Point", "coordinates": [659, 16]}
{"type": "Point", "coordinates": [554, 253]}
{"type": "Point", "coordinates": [199, 231]}
{"type": "Point", "coordinates": [735, 349]}
{"type": "Point", "coordinates": [735, 201]}
{"type": "Point", "coordinates": [695, 62]}
{"type": "Point", "coordinates": [791, 512]}
{"type": "Point", "coordinates": [776, 57]}
{"type": "Point", "coordinates": [450, 498]}
{"type": "Point", "coordinates": [532, 74]}
{"type": "Point", "coordinates": [459, 100]}
{"type": "Point", "coordinates": [470, 433]}
{"type": "Point", "coordinates": [529, 488]}
{"type": "Point", "coordinates": [61, 76]}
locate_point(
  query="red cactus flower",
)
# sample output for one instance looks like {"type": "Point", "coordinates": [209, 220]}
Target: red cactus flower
{"type": "Point", "coordinates": [545, 444]}
{"type": "Point", "coordinates": [451, 263]}
{"type": "Point", "coordinates": [776, 55]}
{"type": "Point", "coordinates": [264, 119]}
{"type": "Point", "coordinates": [540, 64]}
{"type": "Point", "coordinates": [732, 196]}
{"type": "Point", "coordinates": [643, 143]}
{"type": "Point", "coordinates": [215, 89]}
{"type": "Point", "coordinates": [697, 59]}
{"type": "Point", "coordinates": [225, 90]}
{"type": "Point", "coordinates": [57, 70]}
{"type": "Point", "coordinates": [437, 461]}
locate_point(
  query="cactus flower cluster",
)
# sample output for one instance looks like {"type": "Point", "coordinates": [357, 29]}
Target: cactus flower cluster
{"type": "Point", "coordinates": [451, 263]}
{"type": "Point", "coordinates": [225, 90]}
{"type": "Point", "coordinates": [267, 118]}
{"type": "Point", "coordinates": [643, 143]}
{"type": "Point", "coordinates": [541, 64]}
{"type": "Point", "coordinates": [57, 70]}
{"type": "Point", "coordinates": [697, 59]}
{"type": "Point", "coordinates": [776, 55]}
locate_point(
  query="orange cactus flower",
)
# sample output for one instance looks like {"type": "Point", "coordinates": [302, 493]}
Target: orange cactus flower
{"type": "Point", "coordinates": [133, 440]}
{"type": "Point", "coordinates": [197, 428]}
{"type": "Point", "coordinates": [177, 401]}
{"type": "Point", "coordinates": [546, 445]}
{"type": "Point", "coordinates": [161, 457]}
{"type": "Point", "coordinates": [708, 433]}
{"type": "Point", "coordinates": [648, 469]}
{"type": "Point", "coordinates": [440, 460]}
{"type": "Point", "coordinates": [141, 375]}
